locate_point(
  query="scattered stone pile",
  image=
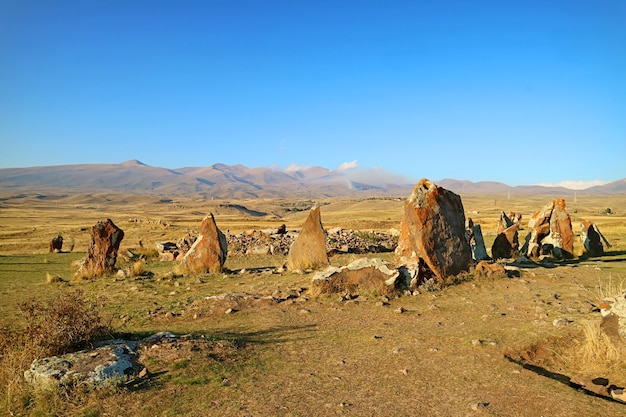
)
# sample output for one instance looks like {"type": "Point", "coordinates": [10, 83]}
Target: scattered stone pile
{"type": "Point", "coordinates": [278, 241]}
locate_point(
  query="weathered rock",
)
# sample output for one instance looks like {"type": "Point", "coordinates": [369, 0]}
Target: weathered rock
{"type": "Point", "coordinates": [503, 223]}
{"type": "Point", "coordinates": [209, 251]}
{"type": "Point", "coordinates": [506, 244]}
{"type": "Point", "coordinates": [613, 311]}
{"type": "Point", "coordinates": [436, 223]}
{"type": "Point", "coordinates": [539, 225]}
{"type": "Point", "coordinates": [487, 269]}
{"type": "Point", "coordinates": [56, 244]}
{"type": "Point", "coordinates": [102, 252]}
{"type": "Point", "coordinates": [592, 239]}
{"type": "Point", "coordinates": [110, 363]}
{"type": "Point", "coordinates": [309, 249]}
{"type": "Point", "coordinates": [365, 274]}
{"type": "Point", "coordinates": [404, 251]}
{"type": "Point", "coordinates": [477, 243]}
{"type": "Point", "coordinates": [561, 229]}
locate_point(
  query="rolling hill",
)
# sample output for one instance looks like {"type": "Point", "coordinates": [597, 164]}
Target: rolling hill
{"type": "Point", "coordinates": [221, 181]}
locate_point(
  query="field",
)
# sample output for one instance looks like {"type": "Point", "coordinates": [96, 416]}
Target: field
{"type": "Point", "coordinates": [444, 355]}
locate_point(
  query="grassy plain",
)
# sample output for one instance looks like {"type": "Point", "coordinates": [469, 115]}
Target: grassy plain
{"type": "Point", "coordinates": [443, 356]}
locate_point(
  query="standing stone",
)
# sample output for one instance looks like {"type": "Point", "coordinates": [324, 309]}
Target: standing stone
{"type": "Point", "coordinates": [309, 249]}
{"type": "Point", "coordinates": [503, 223]}
{"type": "Point", "coordinates": [436, 222]}
{"type": "Point", "coordinates": [56, 244]}
{"type": "Point", "coordinates": [561, 229]}
{"type": "Point", "coordinates": [592, 239]}
{"type": "Point", "coordinates": [102, 252]}
{"type": "Point", "coordinates": [539, 225]}
{"type": "Point", "coordinates": [208, 253]}
{"type": "Point", "coordinates": [404, 251]}
{"type": "Point", "coordinates": [477, 243]}
{"type": "Point", "coordinates": [506, 244]}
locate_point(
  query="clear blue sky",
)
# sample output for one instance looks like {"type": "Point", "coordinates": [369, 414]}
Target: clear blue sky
{"type": "Point", "coordinates": [518, 92]}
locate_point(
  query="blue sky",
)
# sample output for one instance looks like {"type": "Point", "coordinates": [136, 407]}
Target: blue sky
{"type": "Point", "coordinates": [517, 92]}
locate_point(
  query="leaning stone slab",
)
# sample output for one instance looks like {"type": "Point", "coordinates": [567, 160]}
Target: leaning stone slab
{"type": "Point", "coordinates": [476, 241]}
{"type": "Point", "coordinates": [361, 275]}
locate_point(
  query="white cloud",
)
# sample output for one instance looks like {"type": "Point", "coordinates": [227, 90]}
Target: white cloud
{"type": "Point", "coordinates": [574, 185]}
{"type": "Point", "coordinates": [348, 165]}
{"type": "Point", "coordinates": [295, 167]}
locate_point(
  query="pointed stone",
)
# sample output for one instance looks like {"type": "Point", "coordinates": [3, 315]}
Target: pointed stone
{"type": "Point", "coordinates": [476, 241]}
{"type": "Point", "coordinates": [309, 249]}
{"type": "Point", "coordinates": [208, 253]}
{"type": "Point", "coordinates": [561, 229]}
{"type": "Point", "coordinates": [591, 238]}
{"type": "Point", "coordinates": [436, 222]}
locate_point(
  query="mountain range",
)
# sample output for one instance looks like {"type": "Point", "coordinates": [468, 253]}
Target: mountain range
{"type": "Point", "coordinates": [221, 181]}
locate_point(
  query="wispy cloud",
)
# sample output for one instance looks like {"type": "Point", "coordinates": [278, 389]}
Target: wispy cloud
{"type": "Point", "coordinates": [295, 167]}
{"type": "Point", "coordinates": [348, 165]}
{"type": "Point", "coordinates": [574, 185]}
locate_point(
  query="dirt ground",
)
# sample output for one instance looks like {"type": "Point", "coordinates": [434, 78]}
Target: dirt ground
{"type": "Point", "coordinates": [439, 353]}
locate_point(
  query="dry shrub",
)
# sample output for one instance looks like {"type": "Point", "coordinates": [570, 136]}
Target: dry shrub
{"type": "Point", "coordinates": [597, 352]}
{"type": "Point", "coordinates": [137, 269]}
{"type": "Point", "coordinates": [52, 279]}
{"type": "Point", "coordinates": [63, 324]}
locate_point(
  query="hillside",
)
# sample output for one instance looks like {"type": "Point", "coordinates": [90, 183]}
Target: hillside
{"type": "Point", "coordinates": [221, 181]}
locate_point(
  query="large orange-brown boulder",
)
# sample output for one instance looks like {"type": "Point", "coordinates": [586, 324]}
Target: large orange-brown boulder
{"type": "Point", "coordinates": [208, 253]}
{"type": "Point", "coordinates": [436, 222]}
{"type": "Point", "coordinates": [102, 252]}
{"type": "Point", "coordinates": [308, 251]}
{"type": "Point", "coordinates": [404, 251]}
{"type": "Point", "coordinates": [539, 225]}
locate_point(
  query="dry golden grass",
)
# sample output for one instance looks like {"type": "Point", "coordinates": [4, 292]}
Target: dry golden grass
{"type": "Point", "coordinates": [316, 355]}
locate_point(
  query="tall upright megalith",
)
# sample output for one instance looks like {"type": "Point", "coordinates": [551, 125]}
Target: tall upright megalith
{"type": "Point", "coordinates": [436, 222]}
{"type": "Point", "coordinates": [102, 252]}
{"type": "Point", "coordinates": [309, 249]}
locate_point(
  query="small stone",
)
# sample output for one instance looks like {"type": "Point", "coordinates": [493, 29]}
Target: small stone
{"type": "Point", "coordinates": [398, 350]}
{"type": "Point", "coordinates": [399, 310]}
{"type": "Point", "coordinates": [230, 311]}
{"type": "Point", "coordinates": [433, 350]}
{"type": "Point", "coordinates": [404, 371]}
{"type": "Point", "coordinates": [477, 342]}
{"type": "Point", "coordinates": [558, 323]}
{"type": "Point", "coordinates": [479, 405]}
{"type": "Point", "coordinates": [619, 395]}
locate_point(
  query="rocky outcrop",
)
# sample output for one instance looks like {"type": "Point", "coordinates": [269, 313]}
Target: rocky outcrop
{"type": "Point", "coordinates": [506, 244]}
{"type": "Point", "coordinates": [361, 275]}
{"type": "Point", "coordinates": [309, 249]}
{"type": "Point", "coordinates": [550, 232]}
{"type": "Point", "coordinates": [209, 251]}
{"type": "Point", "coordinates": [102, 252]}
{"type": "Point", "coordinates": [436, 224]}
{"type": "Point", "coordinates": [475, 238]}
{"type": "Point", "coordinates": [592, 239]}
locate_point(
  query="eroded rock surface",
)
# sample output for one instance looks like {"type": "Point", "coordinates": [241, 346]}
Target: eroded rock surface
{"type": "Point", "coordinates": [436, 224]}
{"type": "Point", "coordinates": [361, 275]}
{"type": "Point", "coordinates": [309, 249]}
{"type": "Point", "coordinates": [102, 252]}
{"type": "Point", "coordinates": [208, 252]}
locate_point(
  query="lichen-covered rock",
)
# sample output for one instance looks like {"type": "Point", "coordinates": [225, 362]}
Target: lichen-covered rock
{"type": "Point", "coordinates": [208, 252]}
{"type": "Point", "coordinates": [365, 274]}
{"type": "Point", "coordinates": [309, 249]}
{"type": "Point", "coordinates": [436, 223]}
{"type": "Point", "coordinates": [102, 252]}
{"type": "Point", "coordinates": [104, 365]}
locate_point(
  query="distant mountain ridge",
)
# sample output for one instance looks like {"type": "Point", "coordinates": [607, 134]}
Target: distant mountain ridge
{"type": "Point", "coordinates": [222, 181]}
